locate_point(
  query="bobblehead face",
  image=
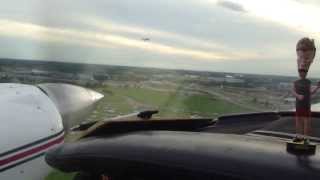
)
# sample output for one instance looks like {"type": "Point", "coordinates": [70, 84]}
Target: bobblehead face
{"type": "Point", "coordinates": [305, 57]}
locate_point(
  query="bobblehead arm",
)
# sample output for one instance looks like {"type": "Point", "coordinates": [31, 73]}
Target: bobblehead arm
{"type": "Point", "coordinates": [313, 90]}
{"type": "Point", "coordinates": [294, 92]}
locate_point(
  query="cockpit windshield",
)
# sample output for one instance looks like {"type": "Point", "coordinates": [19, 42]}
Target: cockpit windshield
{"type": "Point", "coordinates": [185, 59]}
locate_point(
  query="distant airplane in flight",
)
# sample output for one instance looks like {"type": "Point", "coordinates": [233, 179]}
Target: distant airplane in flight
{"type": "Point", "coordinates": [145, 39]}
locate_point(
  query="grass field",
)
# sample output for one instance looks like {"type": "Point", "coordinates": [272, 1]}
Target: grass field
{"type": "Point", "coordinates": [59, 175]}
{"type": "Point", "coordinates": [124, 100]}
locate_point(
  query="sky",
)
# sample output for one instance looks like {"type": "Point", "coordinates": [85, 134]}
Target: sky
{"type": "Point", "coordinates": [242, 36]}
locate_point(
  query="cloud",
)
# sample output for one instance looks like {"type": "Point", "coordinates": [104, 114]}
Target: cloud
{"type": "Point", "coordinates": [194, 34]}
{"type": "Point", "coordinates": [297, 16]}
{"type": "Point", "coordinates": [143, 32]}
{"type": "Point", "coordinates": [164, 37]}
{"type": "Point", "coordinates": [311, 2]}
{"type": "Point", "coordinates": [231, 5]}
{"type": "Point", "coordinates": [16, 29]}
{"type": "Point", "coordinates": [98, 39]}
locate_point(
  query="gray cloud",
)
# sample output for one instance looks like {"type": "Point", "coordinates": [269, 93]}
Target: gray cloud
{"type": "Point", "coordinates": [190, 25]}
{"type": "Point", "coordinates": [231, 6]}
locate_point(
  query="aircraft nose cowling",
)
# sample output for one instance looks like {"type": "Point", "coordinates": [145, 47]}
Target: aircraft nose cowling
{"type": "Point", "coordinates": [74, 103]}
{"type": "Point", "coordinates": [52, 159]}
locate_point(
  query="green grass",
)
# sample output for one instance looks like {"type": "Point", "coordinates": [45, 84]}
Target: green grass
{"type": "Point", "coordinates": [206, 105]}
{"type": "Point", "coordinates": [124, 100]}
{"type": "Point", "coordinates": [169, 103]}
{"type": "Point", "coordinates": [143, 95]}
{"type": "Point", "coordinates": [57, 175]}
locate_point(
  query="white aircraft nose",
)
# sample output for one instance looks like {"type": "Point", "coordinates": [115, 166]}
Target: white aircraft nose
{"type": "Point", "coordinates": [74, 103]}
{"type": "Point", "coordinates": [95, 95]}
